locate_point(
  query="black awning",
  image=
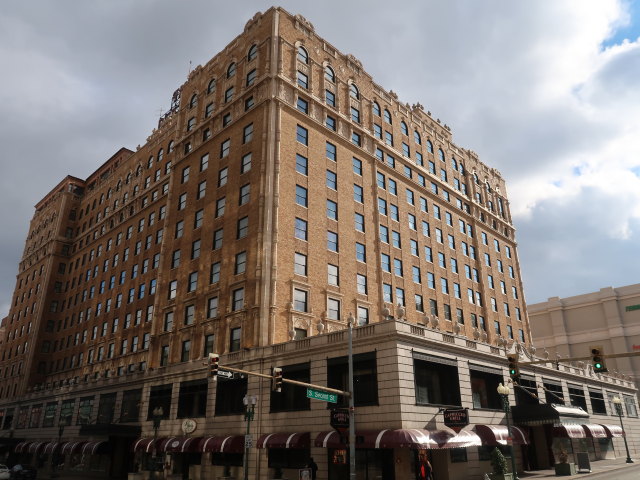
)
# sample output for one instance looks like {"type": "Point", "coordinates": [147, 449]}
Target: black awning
{"type": "Point", "coordinates": [548, 414]}
{"type": "Point", "coordinates": [111, 430]}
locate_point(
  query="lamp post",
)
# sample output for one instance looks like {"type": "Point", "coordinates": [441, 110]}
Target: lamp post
{"type": "Point", "coordinates": [54, 466]}
{"type": "Point", "coordinates": [250, 405]}
{"type": "Point", "coordinates": [618, 403]}
{"type": "Point", "coordinates": [157, 414]}
{"type": "Point", "coordinates": [504, 392]}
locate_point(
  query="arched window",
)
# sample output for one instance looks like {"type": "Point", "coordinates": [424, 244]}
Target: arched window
{"type": "Point", "coordinates": [194, 100]}
{"type": "Point", "coordinates": [212, 86]}
{"type": "Point", "coordinates": [387, 116]}
{"type": "Point", "coordinates": [488, 187]}
{"type": "Point", "coordinates": [160, 155]}
{"type": "Point", "coordinates": [376, 108]}
{"type": "Point", "coordinates": [253, 52]}
{"type": "Point", "coordinates": [171, 145]}
{"type": "Point", "coordinates": [476, 179]}
{"type": "Point", "coordinates": [429, 146]}
{"type": "Point", "coordinates": [353, 91]}
{"type": "Point", "coordinates": [303, 56]}
{"type": "Point", "coordinates": [403, 127]}
{"type": "Point", "coordinates": [454, 164]}
{"type": "Point", "coordinates": [417, 138]}
{"type": "Point", "coordinates": [150, 162]}
{"type": "Point", "coordinates": [329, 74]}
{"type": "Point", "coordinates": [461, 168]}
{"type": "Point", "coordinates": [128, 179]}
{"type": "Point", "coordinates": [441, 154]}
{"type": "Point", "coordinates": [231, 71]}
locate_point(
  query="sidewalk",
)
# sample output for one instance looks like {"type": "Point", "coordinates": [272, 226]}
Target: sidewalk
{"type": "Point", "coordinates": [598, 466]}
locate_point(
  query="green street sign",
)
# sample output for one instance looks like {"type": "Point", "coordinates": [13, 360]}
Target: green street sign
{"type": "Point", "coordinates": [320, 395]}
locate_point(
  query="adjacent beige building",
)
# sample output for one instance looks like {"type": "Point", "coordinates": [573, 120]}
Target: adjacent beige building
{"type": "Point", "coordinates": [609, 318]}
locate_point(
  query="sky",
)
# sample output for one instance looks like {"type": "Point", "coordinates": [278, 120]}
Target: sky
{"type": "Point", "coordinates": [545, 91]}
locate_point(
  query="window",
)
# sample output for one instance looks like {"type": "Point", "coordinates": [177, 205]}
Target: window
{"type": "Point", "coordinates": [361, 252]}
{"type": "Point", "coordinates": [301, 164]}
{"type": "Point", "coordinates": [292, 397]}
{"type": "Point", "coordinates": [185, 352]}
{"type": "Point", "coordinates": [212, 307]}
{"type": "Point", "coordinates": [302, 56]}
{"type": "Point", "coordinates": [333, 309]}
{"type": "Point", "coordinates": [192, 401]}
{"type": "Point", "coordinates": [240, 263]}
{"type": "Point", "coordinates": [300, 264]}
{"type": "Point", "coordinates": [355, 114]}
{"type": "Point", "coordinates": [302, 135]}
{"type": "Point", "coordinates": [332, 241]}
{"type": "Point", "coordinates": [333, 277]}
{"type": "Point", "coordinates": [245, 164]}
{"type": "Point", "coordinates": [302, 105]}
{"type": "Point", "coordinates": [376, 108]}
{"type": "Point", "coordinates": [300, 300]}
{"type": "Point", "coordinates": [358, 193]}
{"type": "Point", "coordinates": [193, 282]}
{"type": "Point", "coordinates": [217, 239]}
{"type": "Point", "coordinates": [228, 95]}
{"type": "Point", "coordinates": [357, 166]}
{"type": "Point", "coordinates": [173, 288]}
{"type": "Point", "coordinates": [356, 139]}
{"type": "Point", "coordinates": [214, 275]}
{"type": "Point", "coordinates": [195, 249]}
{"type": "Point", "coordinates": [353, 91]}
{"type": "Point", "coordinates": [253, 53]}
{"type": "Point", "coordinates": [387, 116]}
{"type": "Point", "coordinates": [329, 75]}
{"type": "Point", "coordinates": [331, 151]}
{"type": "Point", "coordinates": [251, 77]}
{"type": "Point", "coordinates": [231, 70]}
{"type": "Point", "coordinates": [359, 222]}
{"type": "Point", "coordinates": [361, 282]}
{"type": "Point", "coordinates": [330, 122]}
{"type": "Point", "coordinates": [301, 196]}
{"type": "Point", "coordinates": [303, 80]}
{"type": "Point", "coordinates": [224, 148]}
{"type": "Point", "coordinates": [244, 194]}
{"type": "Point", "coordinates": [364, 378]}
{"type": "Point", "coordinates": [332, 180]}
{"type": "Point", "coordinates": [300, 229]}
{"type": "Point", "coordinates": [385, 262]}
{"type": "Point", "coordinates": [332, 210]}
{"type": "Point", "coordinates": [436, 380]}
{"type": "Point", "coordinates": [237, 299]}
{"type": "Point", "coordinates": [220, 206]}
{"type": "Point", "coordinates": [330, 98]}
{"type": "Point", "coordinates": [247, 133]}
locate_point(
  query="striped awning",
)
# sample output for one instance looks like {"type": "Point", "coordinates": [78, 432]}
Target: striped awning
{"type": "Point", "coordinates": [51, 447]}
{"type": "Point", "coordinates": [22, 447]}
{"type": "Point", "coordinates": [36, 447]}
{"type": "Point", "coordinates": [285, 440]}
{"type": "Point", "coordinates": [613, 430]}
{"type": "Point", "coordinates": [69, 448]}
{"type": "Point", "coordinates": [183, 445]}
{"type": "Point", "coordinates": [95, 448]}
{"type": "Point", "coordinates": [402, 438]}
{"type": "Point", "coordinates": [222, 444]}
{"type": "Point", "coordinates": [499, 435]}
{"type": "Point", "coordinates": [594, 431]}
{"type": "Point", "coordinates": [144, 445]}
{"type": "Point", "coordinates": [569, 431]}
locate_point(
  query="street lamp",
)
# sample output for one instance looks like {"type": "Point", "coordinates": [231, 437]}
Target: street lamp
{"type": "Point", "coordinates": [618, 403]}
{"type": "Point", "coordinates": [156, 414]}
{"type": "Point", "coordinates": [504, 392]}
{"type": "Point", "coordinates": [250, 405]}
{"type": "Point", "coordinates": [54, 467]}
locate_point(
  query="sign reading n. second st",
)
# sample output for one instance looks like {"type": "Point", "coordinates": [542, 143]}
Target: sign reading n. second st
{"type": "Point", "coordinates": [320, 395]}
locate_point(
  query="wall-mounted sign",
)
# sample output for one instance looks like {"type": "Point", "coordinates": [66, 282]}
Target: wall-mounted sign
{"type": "Point", "coordinates": [456, 419]}
{"type": "Point", "coordinates": [188, 426]}
{"type": "Point", "coordinates": [631, 308]}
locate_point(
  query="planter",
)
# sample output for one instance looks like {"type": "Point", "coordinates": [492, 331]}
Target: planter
{"type": "Point", "coordinates": [564, 469]}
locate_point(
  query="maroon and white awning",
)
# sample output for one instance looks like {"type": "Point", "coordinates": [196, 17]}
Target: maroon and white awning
{"type": "Point", "coordinates": [285, 440]}
{"type": "Point", "coordinates": [499, 434]}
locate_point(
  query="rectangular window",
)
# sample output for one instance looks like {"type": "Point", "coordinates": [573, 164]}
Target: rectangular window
{"type": "Point", "coordinates": [240, 263]}
{"type": "Point", "coordinates": [301, 164]}
{"type": "Point", "coordinates": [302, 105]}
{"type": "Point", "coordinates": [300, 264]}
{"type": "Point", "coordinates": [332, 210]}
{"type": "Point", "coordinates": [212, 307]}
{"type": "Point", "coordinates": [300, 229]}
{"type": "Point", "coordinates": [300, 300]}
{"type": "Point", "coordinates": [237, 299]}
{"type": "Point", "coordinates": [292, 397]}
{"type": "Point", "coordinates": [192, 401]}
{"type": "Point", "coordinates": [333, 309]}
{"type": "Point", "coordinates": [168, 321]}
{"type": "Point", "coordinates": [359, 222]}
{"type": "Point", "coordinates": [185, 352]}
{"type": "Point", "coordinates": [333, 277]}
{"type": "Point", "coordinates": [332, 180]}
{"type": "Point", "coordinates": [330, 98]}
{"type": "Point", "coordinates": [331, 151]}
{"type": "Point", "coordinates": [364, 376]}
{"type": "Point", "coordinates": [436, 380]}
{"type": "Point", "coordinates": [302, 135]}
{"type": "Point", "coordinates": [332, 241]}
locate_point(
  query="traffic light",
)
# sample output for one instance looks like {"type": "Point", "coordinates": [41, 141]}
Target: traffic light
{"type": "Point", "coordinates": [277, 379]}
{"type": "Point", "coordinates": [214, 365]}
{"type": "Point", "coordinates": [597, 359]}
{"type": "Point", "coordinates": [514, 370]}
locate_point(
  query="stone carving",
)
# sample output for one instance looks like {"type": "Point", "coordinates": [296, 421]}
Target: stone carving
{"type": "Point", "coordinates": [476, 333]}
{"type": "Point", "coordinates": [385, 313]}
{"type": "Point", "coordinates": [456, 328]}
{"type": "Point", "coordinates": [400, 311]}
{"type": "Point", "coordinates": [435, 321]}
{"type": "Point", "coordinates": [300, 20]}
{"type": "Point", "coordinates": [320, 326]}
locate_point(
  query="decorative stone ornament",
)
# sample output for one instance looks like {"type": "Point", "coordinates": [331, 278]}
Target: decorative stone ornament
{"type": "Point", "coordinates": [400, 311]}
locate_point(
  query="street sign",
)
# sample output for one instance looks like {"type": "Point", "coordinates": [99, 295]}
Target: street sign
{"type": "Point", "coordinates": [320, 395]}
{"type": "Point", "coordinates": [248, 441]}
{"type": "Point", "coordinates": [225, 374]}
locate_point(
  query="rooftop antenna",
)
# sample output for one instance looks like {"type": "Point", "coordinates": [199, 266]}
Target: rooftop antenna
{"type": "Point", "coordinates": [190, 63]}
